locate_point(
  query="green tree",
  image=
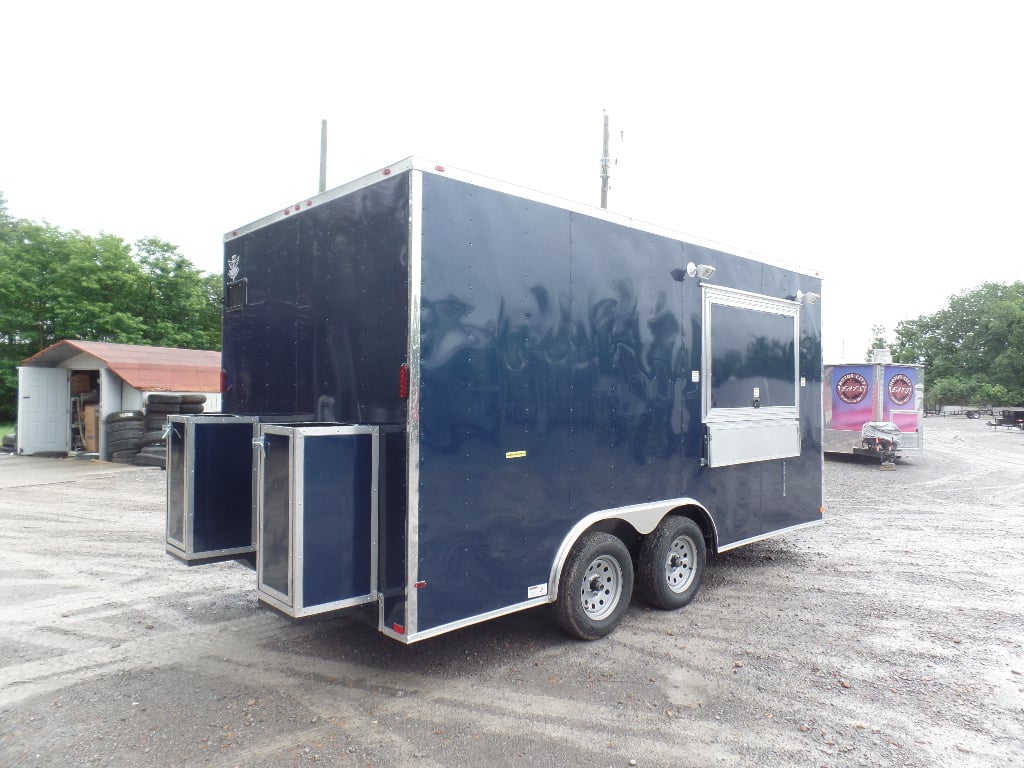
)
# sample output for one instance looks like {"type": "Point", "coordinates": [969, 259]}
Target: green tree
{"type": "Point", "coordinates": [973, 350]}
{"type": "Point", "coordinates": [175, 290]}
{"type": "Point", "coordinates": [877, 341]}
{"type": "Point", "coordinates": [5, 219]}
{"type": "Point", "coordinates": [65, 285]}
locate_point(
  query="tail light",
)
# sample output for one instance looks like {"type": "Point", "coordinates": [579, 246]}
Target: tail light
{"type": "Point", "coordinates": [403, 381]}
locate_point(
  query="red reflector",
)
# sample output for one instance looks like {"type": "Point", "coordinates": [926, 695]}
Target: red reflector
{"type": "Point", "coordinates": [309, 203]}
{"type": "Point", "coordinates": [420, 584]}
{"type": "Point", "coordinates": [403, 381]}
{"type": "Point", "coordinates": [386, 172]}
{"type": "Point", "coordinates": [439, 168]}
{"type": "Point", "coordinates": [398, 628]}
{"type": "Point", "coordinates": [287, 211]}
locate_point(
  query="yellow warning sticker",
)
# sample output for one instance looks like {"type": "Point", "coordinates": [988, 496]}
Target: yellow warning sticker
{"type": "Point", "coordinates": [515, 455]}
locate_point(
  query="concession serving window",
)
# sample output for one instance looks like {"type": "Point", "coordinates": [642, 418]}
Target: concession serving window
{"type": "Point", "coordinates": [751, 377]}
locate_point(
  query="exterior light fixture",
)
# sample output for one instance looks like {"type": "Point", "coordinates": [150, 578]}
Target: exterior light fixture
{"type": "Point", "coordinates": [704, 271]}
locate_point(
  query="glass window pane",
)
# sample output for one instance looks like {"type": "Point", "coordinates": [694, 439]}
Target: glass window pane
{"type": "Point", "coordinates": [752, 358]}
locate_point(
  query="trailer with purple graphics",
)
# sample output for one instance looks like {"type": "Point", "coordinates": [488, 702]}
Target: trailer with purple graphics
{"type": "Point", "coordinates": [874, 409]}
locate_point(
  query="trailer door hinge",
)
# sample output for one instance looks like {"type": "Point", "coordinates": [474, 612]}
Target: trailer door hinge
{"type": "Point", "coordinates": [261, 443]}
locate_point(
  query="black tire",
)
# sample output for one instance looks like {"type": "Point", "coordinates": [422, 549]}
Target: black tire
{"type": "Point", "coordinates": [116, 427]}
{"type": "Point", "coordinates": [120, 446]}
{"type": "Point", "coordinates": [155, 437]}
{"type": "Point", "coordinates": [595, 587]}
{"type": "Point", "coordinates": [154, 424]}
{"type": "Point", "coordinates": [192, 400]}
{"type": "Point", "coordinates": [148, 460]}
{"type": "Point", "coordinates": [191, 408]}
{"type": "Point", "coordinates": [671, 565]}
{"type": "Point", "coordinates": [163, 399]}
{"type": "Point", "coordinates": [122, 455]}
{"type": "Point", "coordinates": [155, 408]}
{"type": "Point", "coordinates": [119, 416]}
{"type": "Point", "coordinates": [123, 441]}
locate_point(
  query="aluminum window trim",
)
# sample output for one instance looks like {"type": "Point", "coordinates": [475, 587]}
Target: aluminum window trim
{"type": "Point", "coordinates": [734, 297]}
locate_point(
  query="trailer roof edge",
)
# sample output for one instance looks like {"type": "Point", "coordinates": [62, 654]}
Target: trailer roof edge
{"type": "Point", "coordinates": [601, 213]}
{"type": "Point", "coordinates": [429, 166]}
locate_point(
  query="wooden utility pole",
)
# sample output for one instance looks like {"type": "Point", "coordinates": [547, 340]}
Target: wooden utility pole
{"type": "Point", "coordinates": [323, 155]}
{"type": "Point", "coordinates": [605, 161]}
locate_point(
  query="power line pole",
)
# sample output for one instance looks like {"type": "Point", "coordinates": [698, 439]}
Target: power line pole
{"type": "Point", "coordinates": [605, 162]}
{"type": "Point", "coordinates": [323, 155]}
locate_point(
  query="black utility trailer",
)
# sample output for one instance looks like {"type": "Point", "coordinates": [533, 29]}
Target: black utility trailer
{"type": "Point", "coordinates": [1009, 418]}
{"type": "Point", "coordinates": [448, 399]}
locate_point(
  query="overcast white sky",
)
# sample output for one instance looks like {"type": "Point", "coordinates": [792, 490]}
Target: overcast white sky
{"type": "Point", "coordinates": [880, 142]}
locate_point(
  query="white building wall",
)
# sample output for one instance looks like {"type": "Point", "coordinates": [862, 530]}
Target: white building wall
{"type": "Point", "coordinates": [131, 398]}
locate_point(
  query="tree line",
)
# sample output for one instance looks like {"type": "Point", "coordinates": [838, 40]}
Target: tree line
{"type": "Point", "coordinates": [972, 350]}
{"type": "Point", "coordinates": [58, 285]}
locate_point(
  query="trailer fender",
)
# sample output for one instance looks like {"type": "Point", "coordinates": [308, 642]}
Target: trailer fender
{"type": "Point", "coordinates": [643, 518]}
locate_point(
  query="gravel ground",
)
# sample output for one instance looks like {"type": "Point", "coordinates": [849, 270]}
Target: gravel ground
{"type": "Point", "coordinates": [892, 635]}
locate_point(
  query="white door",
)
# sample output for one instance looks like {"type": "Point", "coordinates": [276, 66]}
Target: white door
{"type": "Point", "coordinates": [44, 410]}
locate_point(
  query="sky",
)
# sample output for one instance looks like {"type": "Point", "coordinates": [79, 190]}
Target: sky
{"type": "Point", "coordinates": [880, 143]}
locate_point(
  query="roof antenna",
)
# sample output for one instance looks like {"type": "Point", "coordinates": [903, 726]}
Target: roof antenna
{"type": "Point", "coordinates": [605, 161]}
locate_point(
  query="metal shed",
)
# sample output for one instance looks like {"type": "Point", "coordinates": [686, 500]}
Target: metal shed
{"type": "Point", "coordinates": [67, 390]}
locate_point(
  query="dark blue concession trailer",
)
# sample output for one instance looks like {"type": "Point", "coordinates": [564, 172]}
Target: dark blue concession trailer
{"type": "Point", "coordinates": [447, 399]}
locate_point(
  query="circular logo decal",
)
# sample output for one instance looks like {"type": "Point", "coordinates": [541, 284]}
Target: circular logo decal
{"type": "Point", "coordinates": [852, 388]}
{"type": "Point", "coordinates": [901, 389]}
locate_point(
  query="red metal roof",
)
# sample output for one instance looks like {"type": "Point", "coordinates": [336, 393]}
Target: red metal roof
{"type": "Point", "coordinates": [145, 368]}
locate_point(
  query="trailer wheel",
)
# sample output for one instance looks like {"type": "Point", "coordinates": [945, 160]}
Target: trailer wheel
{"type": "Point", "coordinates": [596, 586]}
{"type": "Point", "coordinates": [672, 563]}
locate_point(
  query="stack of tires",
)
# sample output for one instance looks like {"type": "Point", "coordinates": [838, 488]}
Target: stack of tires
{"type": "Point", "coordinates": [153, 451]}
{"type": "Point", "coordinates": [124, 435]}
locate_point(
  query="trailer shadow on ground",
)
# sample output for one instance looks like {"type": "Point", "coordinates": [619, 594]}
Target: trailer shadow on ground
{"type": "Point", "coordinates": [508, 640]}
{"type": "Point", "coordinates": [519, 635]}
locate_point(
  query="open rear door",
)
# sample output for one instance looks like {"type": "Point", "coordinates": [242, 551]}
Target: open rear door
{"type": "Point", "coordinates": [44, 410]}
{"type": "Point", "coordinates": [317, 501]}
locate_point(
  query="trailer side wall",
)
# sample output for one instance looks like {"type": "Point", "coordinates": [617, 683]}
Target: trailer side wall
{"type": "Point", "coordinates": [561, 375]}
